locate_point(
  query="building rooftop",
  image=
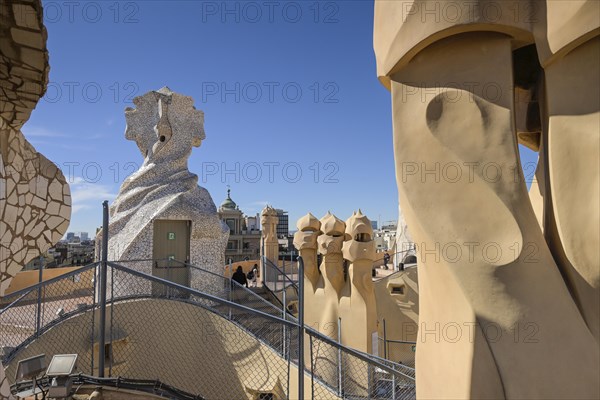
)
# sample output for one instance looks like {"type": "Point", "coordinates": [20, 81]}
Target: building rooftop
{"type": "Point", "coordinates": [228, 203]}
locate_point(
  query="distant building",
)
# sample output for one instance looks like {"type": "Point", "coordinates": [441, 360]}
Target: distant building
{"type": "Point", "coordinates": [70, 236]}
{"type": "Point", "coordinates": [84, 236]}
{"type": "Point", "coordinates": [253, 223]}
{"type": "Point", "coordinates": [283, 228]}
{"type": "Point", "coordinates": [385, 238]}
{"type": "Point", "coordinates": [389, 226]}
{"type": "Point", "coordinates": [374, 225]}
{"type": "Point", "coordinates": [244, 232]}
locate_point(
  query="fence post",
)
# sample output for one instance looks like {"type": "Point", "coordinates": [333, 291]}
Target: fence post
{"type": "Point", "coordinates": [300, 328]}
{"type": "Point", "coordinates": [385, 342]}
{"type": "Point", "coordinates": [38, 322]}
{"type": "Point", "coordinates": [103, 277]}
{"type": "Point", "coordinates": [169, 277]}
{"type": "Point", "coordinates": [394, 385]}
{"type": "Point", "coordinates": [312, 369]}
{"type": "Point", "coordinates": [340, 391]}
{"type": "Point", "coordinates": [231, 288]}
{"type": "Point", "coordinates": [284, 312]}
{"type": "Point", "coordinates": [263, 267]}
{"type": "Point", "coordinates": [95, 284]}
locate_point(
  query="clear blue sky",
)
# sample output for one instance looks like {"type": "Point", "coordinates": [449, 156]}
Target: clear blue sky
{"type": "Point", "coordinates": [290, 84]}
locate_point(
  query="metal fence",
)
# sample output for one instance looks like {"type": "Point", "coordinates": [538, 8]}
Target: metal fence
{"type": "Point", "coordinates": [399, 351]}
{"type": "Point", "coordinates": [354, 375]}
{"type": "Point", "coordinates": [276, 279]}
{"type": "Point", "coordinates": [27, 314]}
{"type": "Point", "coordinates": [149, 319]}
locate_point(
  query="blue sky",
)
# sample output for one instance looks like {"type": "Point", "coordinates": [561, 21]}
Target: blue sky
{"type": "Point", "coordinates": [287, 88]}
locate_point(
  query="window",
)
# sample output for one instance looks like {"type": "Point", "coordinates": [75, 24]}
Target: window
{"type": "Point", "coordinates": [398, 289]}
{"type": "Point", "coordinates": [231, 224]}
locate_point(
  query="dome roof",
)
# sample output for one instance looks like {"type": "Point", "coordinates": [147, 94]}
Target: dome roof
{"type": "Point", "coordinates": [228, 203]}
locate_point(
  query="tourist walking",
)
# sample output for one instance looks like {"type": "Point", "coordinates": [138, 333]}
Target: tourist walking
{"type": "Point", "coordinates": [386, 260]}
{"type": "Point", "coordinates": [240, 277]}
{"type": "Point", "coordinates": [253, 275]}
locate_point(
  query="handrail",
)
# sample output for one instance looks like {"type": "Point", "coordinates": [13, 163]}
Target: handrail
{"type": "Point", "coordinates": [356, 353]}
{"type": "Point", "coordinates": [53, 280]}
{"type": "Point", "coordinates": [374, 361]}
{"type": "Point", "coordinates": [396, 253]}
{"type": "Point", "coordinates": [15, 301]}
{"type": "Point", "coordinates": [43, 329]}
{"type": "Point", "coordinates": [398, 341]}
{"type": "Point", "coordinates": [234, 283]}
{"type": "Point", "coordinates": [224, 278]}
{"type": "Point", "coordinates": [395, 365]}
{"type": "Point", "coordinates": [198, 293]}
{"type": "Point", "coordinates": [272, 265]}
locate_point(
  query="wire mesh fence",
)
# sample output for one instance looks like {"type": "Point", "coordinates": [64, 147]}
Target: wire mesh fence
{"type": "Point", "coordinates": [27, 314]}
{"type": "Point", "coordinates": [278, 279]}
{"type": "Point", "coordinates": [398, 351]}
{"type": "Point", "coordinates": [221, 341]}
{"type": "Point", "coordinates": [167, 319]}
{"type": "Point", "coordinates": [350, 374]}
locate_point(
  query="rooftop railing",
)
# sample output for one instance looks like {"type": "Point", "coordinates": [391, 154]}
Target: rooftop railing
{"type": "Point", "coordinates": [148, 317]}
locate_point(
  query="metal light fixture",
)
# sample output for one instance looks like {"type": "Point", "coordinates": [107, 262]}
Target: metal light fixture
{"type": "Point", "coordinates": [29, 369]}
{"type": "Point", "coordinates": [59, 370]}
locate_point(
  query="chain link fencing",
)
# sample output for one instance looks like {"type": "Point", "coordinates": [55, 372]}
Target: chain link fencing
{"type": "Point", "coordinates": [216, 340]}
{"type": "Point", "coordinates": [350, 374]}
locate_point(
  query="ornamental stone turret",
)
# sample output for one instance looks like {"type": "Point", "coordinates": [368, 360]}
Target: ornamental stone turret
{"type": "Point", "coordinates": [305, 241]}
{"type": "Point", "coordinates": [270, 246]}
{"type": "Point", "coordinates": [330, 246]}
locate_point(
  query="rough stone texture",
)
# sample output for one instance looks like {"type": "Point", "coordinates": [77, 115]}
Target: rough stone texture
{"type": "Point", "coordinates": [513, 306]}
{"type": "Point", "coordinates": [23, 60]}
{"type": "Point", "coordinates": [32, 220]}
{"type": "Point", "coordinates": [35, 201]}
{"type": "Point", "coordinates": [165, 126]}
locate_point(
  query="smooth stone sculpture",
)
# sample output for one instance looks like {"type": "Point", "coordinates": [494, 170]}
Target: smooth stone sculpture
{"type": "Point", "coordinates": [358, 310]}
{"type": "Point", "coordinates": [329, 294]}
{"type": "Point", "coordinates": [165, 127]}
{"type": "Point", "coordinates": [330, 246]}
{"type": "Point", "coordinates": [516, 294]}
{"type": "Point", "coordinates": [305, 241]}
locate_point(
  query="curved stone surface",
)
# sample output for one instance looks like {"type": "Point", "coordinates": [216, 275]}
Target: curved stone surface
{"type": "Point", "coordinates": [405, 27]}
{"type": "Point", "coordinates": [23, 60]}
{"type": "Point", "coordinates": [35, 201]}
{"type": "Point", "coordinates": [482, 255]}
